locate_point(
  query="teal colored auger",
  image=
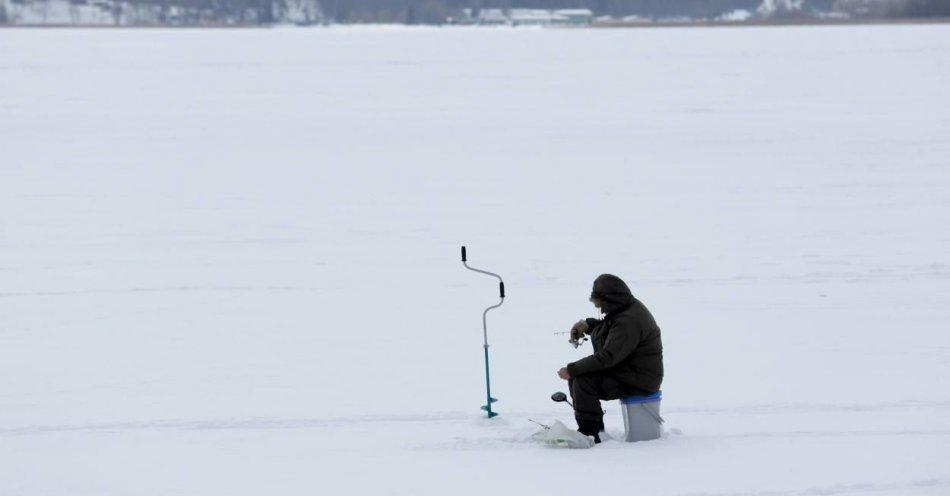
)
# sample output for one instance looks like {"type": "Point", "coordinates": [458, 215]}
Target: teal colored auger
{"type": "Point", "coordinates": [501, 290]}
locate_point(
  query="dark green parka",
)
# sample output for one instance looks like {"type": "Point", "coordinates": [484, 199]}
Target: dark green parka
{"type": "Point", "coordinates": [626, 342]}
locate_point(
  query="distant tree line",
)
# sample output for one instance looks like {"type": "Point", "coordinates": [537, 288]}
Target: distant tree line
{"type": "Point", "coordinates": [442, 11]}
{"type": "Point", "coordinates": [436, 11]}
{"type": "Point", "coordinates": [167, 12]}
{"type": "Point", "coordinates": [928, 8]}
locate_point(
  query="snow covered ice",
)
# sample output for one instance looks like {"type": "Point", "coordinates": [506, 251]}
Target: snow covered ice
{"type": "Point", "coordinates": [229, 259]}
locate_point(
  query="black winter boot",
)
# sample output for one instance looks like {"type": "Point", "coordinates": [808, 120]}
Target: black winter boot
{"type": "Point", "coordinates": [590, 427]}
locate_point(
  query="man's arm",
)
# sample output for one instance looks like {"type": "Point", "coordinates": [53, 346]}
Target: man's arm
{"type": "Point", "coordinates": [622, 340]}
{"type": "Point", "coordinates": [592, 324]}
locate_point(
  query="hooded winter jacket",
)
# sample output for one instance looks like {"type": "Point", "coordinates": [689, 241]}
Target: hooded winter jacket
{"type": "Point", "coordinates": [627, 343]}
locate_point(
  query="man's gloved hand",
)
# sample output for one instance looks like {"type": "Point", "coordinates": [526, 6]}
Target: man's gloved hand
{"type": "Point", "coordinates": [563, 373]}
{"type": "Point", "coordinates": [579, 331]}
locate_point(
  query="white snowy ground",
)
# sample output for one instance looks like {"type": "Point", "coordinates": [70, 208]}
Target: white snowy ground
{"type": "Point", "coordinates": [229, 260]}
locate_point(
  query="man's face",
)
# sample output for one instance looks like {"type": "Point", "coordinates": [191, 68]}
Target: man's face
{"type": "Point", "coordinates": [597, 302]}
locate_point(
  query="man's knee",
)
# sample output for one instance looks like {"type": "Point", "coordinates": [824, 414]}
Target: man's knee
{"type": "Point", "coordinates": [587, 383]}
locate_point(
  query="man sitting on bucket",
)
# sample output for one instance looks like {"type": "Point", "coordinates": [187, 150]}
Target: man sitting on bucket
{"type": "Point", "coordinates": [627, 358]}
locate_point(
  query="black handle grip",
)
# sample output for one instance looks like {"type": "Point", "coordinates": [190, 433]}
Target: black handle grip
{"type": "Point", "coordinates": [501, 289]}
{"type": "Point", "coordinates": [463, 255]}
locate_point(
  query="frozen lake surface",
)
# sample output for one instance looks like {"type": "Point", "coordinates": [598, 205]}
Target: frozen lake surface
{"type": "Point", "coordinates": [229, 259]}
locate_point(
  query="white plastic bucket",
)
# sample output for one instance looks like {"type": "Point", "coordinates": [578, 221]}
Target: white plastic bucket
{"type": "Point", "coordinates": [641, 417]}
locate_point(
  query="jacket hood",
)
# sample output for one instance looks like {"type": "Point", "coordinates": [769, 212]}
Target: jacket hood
{"type": "Point", "coordinates": [612, 291]}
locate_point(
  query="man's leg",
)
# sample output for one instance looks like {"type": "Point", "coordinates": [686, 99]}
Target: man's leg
{"type": "Point", "coordinates": [586, 389]}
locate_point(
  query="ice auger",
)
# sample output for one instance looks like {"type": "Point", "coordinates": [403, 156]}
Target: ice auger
{"type": "Point", "coordinates": [501, 290]}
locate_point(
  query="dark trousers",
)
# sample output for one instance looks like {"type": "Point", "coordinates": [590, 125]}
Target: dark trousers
{"type": "Point", "coordinates": [588, 389]}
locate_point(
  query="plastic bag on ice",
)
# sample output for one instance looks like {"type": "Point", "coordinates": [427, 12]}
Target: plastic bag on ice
{"type": "Point", "coordinates": [561, 436]}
